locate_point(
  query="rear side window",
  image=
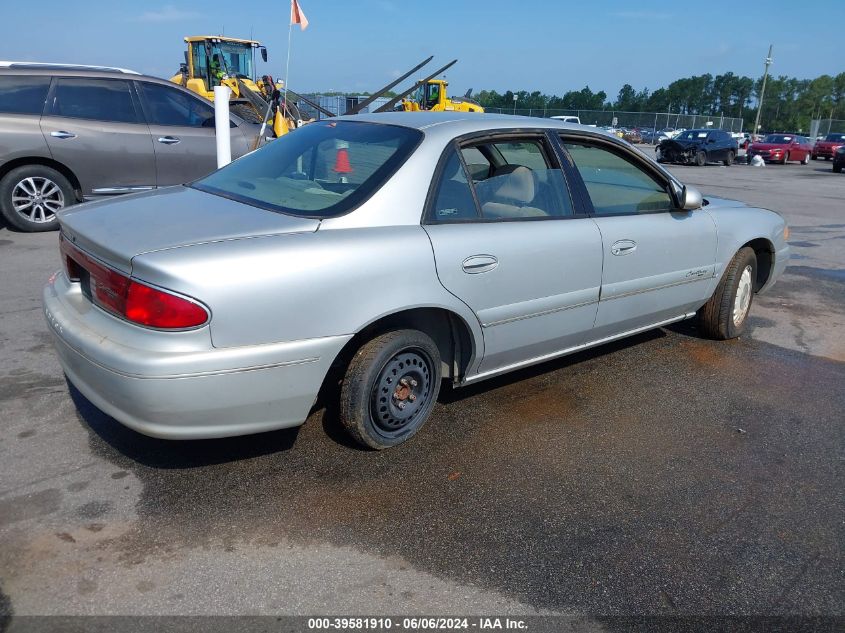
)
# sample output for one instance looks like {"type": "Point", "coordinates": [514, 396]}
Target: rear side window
{"type": "Point", "coordinates": [616, 185]}
{"type": "Point", "coordinates": [453, 200]}
{"type": "Point", "coordinates": [322, 170]}
{"type": "Point", "coordinates": [97, 99]}
{"type": "Point", "coordinates": [23, 95]}
{"type": "Point", "coordinates": [170, 106]}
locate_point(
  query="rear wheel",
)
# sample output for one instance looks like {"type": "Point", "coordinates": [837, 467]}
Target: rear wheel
{"type": "Point", "coordinates": [729, 160]}
{"type": "Point", "coordinates": [30, 197]}
{"type": "Point", "coordinates": [390, 387]}
{"type": "Point", "coordinates": [814, 157]}
{"type": "Point", "coordinates": [837, 168]}
{"type": "Point", "coordinates": [725, 315]}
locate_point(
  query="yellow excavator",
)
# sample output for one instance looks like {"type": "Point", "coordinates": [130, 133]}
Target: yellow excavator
{"type": "Point", "coordinates": [432, 96]}
{"type": "Point", "coordinates": [215, 60]}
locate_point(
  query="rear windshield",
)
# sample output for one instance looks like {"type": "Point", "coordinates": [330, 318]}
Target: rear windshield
{"type": "Point", "coordinates": [321, 170]}
{"type": "Point", "coordinates": [836, 138]}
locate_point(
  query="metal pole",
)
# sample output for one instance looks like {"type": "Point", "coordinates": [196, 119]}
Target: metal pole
{"type": "Point", "coordinates": [222, 126]}
{"type": "Point", "coordinates": [763, 91]}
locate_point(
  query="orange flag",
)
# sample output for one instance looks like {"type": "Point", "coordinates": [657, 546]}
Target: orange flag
{"type": "Point", "coordinates": [297, 16]}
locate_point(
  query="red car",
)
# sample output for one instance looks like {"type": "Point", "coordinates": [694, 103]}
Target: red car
{"type": "Point", "coordinates": [780, 148]}
{"type": "Point", "coordinates": [827, 147]}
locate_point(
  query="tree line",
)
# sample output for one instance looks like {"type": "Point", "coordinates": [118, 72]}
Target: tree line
{"type": "Point", "coordinates": [789, 103]}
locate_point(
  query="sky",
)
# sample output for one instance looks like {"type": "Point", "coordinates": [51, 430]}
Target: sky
{"type": "Point", "coordinates": [359, 45]}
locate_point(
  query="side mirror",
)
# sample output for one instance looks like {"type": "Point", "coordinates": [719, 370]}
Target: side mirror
{"type": "Point", "coordinates": [264, 53]}
{"type": "Point", "coordinates": [691, 198]}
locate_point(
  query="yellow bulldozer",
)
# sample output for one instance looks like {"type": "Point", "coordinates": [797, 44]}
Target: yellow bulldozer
{"type": "Point", "coordinates": [431, 95]}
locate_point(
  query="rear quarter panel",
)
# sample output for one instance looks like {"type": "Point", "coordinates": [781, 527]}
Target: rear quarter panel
{"type": "Point", "coordinates": [305, 285]}
{"type": "Point", "coordinates": [21, 136]}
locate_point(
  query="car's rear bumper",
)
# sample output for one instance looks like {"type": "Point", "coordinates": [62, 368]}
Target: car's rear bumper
{"type": "Point", "coordinates": [189, 394]}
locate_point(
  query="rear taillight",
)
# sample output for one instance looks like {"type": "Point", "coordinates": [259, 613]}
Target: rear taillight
{"type": "Point", "coordinates": [127, 298]}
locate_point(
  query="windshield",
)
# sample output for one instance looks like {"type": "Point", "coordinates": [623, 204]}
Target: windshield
{"type": "Point", "coordinates": [322, 170]}
{"type": "Point", "coordinates": [778, 139]}
{"type": "Point", "coordinates": [836, 138]}
{"type": "Point", "coordinates": [691, 135]}
{"type": "Point", "coordinates": [235, 59]}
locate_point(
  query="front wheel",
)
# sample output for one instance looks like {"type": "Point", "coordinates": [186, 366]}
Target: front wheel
{"type": "Point", "coordinates": [729, 160]}
{"type": "Point", "coordinates": [700, 159]}
{"type": "Point", "coordinates": [837, 169]}
{"type": "Point", "coordinates": [806, 160]}
{"type": "Point", "coordinates": [725, 314]}
{"type": "Point", "coordinates": [390, 388]}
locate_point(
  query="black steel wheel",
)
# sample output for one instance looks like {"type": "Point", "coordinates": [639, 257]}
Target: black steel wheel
{"type": "Point", "coordinates": [390, 388]}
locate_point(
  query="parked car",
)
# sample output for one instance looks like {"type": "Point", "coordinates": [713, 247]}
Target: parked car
{"type": "Point", "coordinates": [826, 147]}
{"type": "Point", "coordinates": [398, 249]}
{"type": "Point", "coordinates": [632, 136]}
{"type": "Point", "coordinates": [567, 119]}
{"type": "Point", "coordinates": [698, 147]}
{"type": "Point", "coordinates": [74, 133]}
{"type": "Point", "coordinates": [782, 148]}
{"type": "Point", "coordinates": [653, 137]}
{"type": "Point", "coordinates": [839, 159]}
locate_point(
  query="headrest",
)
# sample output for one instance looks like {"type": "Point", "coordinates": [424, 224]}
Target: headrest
{"type": "Point", "coordinates": [517, 183]}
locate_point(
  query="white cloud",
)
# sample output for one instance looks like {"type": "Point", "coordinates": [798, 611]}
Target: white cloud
{"type": "Point", "coordinates": [167, 13]}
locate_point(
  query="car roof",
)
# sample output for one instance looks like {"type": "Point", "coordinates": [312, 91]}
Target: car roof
{"type": "Point", "coordinates": [51, 67]}
{"type": "Point", "coordinates": [75, 70]}
{"type": "Point", "coordinates": [458, 123]}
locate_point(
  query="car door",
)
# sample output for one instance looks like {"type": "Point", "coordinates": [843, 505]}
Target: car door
{"type": "Point", "coordinates": [95, 128]}
{"type": "Point", "coordinates": [183, 133]}
{"type": "Point", "coordinates": [658, 261]}
{"type": "Point", "coordinates": [509, 242]}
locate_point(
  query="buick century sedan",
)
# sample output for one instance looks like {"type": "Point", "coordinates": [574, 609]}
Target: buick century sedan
{"type": "Point", "coordinates": [399, 250]}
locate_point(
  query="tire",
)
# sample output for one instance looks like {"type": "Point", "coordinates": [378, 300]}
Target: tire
{"type": "Point", "coordinates": [785, 159]}
{"type": "Point", "coordinates": [806, 160]}
{"type": "Point", "coordinates": [827, 157]}
{"type": "Point", "coordinates": [837, 169]}
{"type": "Point", "coordinates": [729, 160]}
{"type": "Point", "coordinates": [31, 195]}
{"type": "Point", "coordinates": [814, 157]}
{"type": "Point", "coordinates": [700, 159]}
{"type": "Point", "coordinates": [377, 408]}
{"type": "Point", "coordinates": [725, 315]}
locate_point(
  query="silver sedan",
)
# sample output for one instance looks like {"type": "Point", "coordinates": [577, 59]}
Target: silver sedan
{"type": "Point", "coordinates": [400, 250]}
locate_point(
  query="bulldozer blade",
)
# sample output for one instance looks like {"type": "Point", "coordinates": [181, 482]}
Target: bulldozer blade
{"type": "Point", "coordinates": [389, 105]}
{"type": "Point", "coordinates": [311, 103]}
{"type": "Point", "coordinates": [363, 104]}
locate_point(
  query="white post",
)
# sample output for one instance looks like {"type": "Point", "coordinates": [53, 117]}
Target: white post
{"type": "Point", "coordinates": [222, 125]}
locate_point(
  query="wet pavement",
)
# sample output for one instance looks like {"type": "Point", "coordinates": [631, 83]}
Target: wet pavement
{"type": "Point", "coordinates": [665, 474]}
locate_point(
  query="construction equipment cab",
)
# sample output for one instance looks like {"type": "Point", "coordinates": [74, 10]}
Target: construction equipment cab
{"type": "Point", "coordinates": [214, 60]}
{"type": "Point", "coordinates": [432, 96]}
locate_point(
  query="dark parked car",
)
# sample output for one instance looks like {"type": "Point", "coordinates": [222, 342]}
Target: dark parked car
{"type": "Point", "coordinates": [826, 147]}
{"type": "Point", "coordinates": [781, 148]}
{"type": "Point", "coordinates": [73, 133]}
{"type": "Point", "coordinates": [698, 147]}
{"type": "Point", "coordinates": [839, 159]}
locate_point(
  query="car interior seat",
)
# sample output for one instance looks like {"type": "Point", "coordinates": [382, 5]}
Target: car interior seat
{"type": "Point", "coordinates": [509, 193]}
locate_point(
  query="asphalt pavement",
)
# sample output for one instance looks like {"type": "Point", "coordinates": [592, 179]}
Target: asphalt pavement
{"type": "Point", "coordinates": [662, 475]}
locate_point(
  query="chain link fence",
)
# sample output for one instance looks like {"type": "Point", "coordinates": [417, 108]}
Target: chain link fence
{"type": "Point", "coordinates": [822, 127]}
{"type": "Point", "coordinates": [650, 120]}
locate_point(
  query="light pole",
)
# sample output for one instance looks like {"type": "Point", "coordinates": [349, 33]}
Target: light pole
{"type": "Point", "coordinates": [514, 104]}
{"type": "Point", "coordinates": [763, 91]}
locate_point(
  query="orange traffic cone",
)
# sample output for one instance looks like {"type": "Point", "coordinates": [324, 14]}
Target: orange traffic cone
{"type": "Point", "coordinates": [341, 161]}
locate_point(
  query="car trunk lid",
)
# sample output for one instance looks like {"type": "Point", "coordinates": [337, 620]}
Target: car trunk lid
{"type": "Point", "coordinates": [117, 230]}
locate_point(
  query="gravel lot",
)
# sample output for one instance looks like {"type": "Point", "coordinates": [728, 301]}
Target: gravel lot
{"type": "Point", "coordinates": [666, 474]}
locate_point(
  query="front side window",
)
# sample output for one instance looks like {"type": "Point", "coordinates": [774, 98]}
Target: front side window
{"type": "Point", "coordinates": [323, 170]}
{"type": "Point", "coordinates": [23, 95]}
{"type": "Point", "coordinates": [616, 185]}
{"type": "Point", "coordinates": [97, 99]}
{"type": "Point", "coordinates": [170, 106]}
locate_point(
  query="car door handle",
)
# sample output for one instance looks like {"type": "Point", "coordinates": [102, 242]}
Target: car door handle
{"type": "Point", "coordinates": [475, 264]}
{"type": "Point", "coordinates": [62, 134]}
{"type": "Point", "coordinates": [623, 247]}
{"type": "Point", "coordinates": [169, 140]}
